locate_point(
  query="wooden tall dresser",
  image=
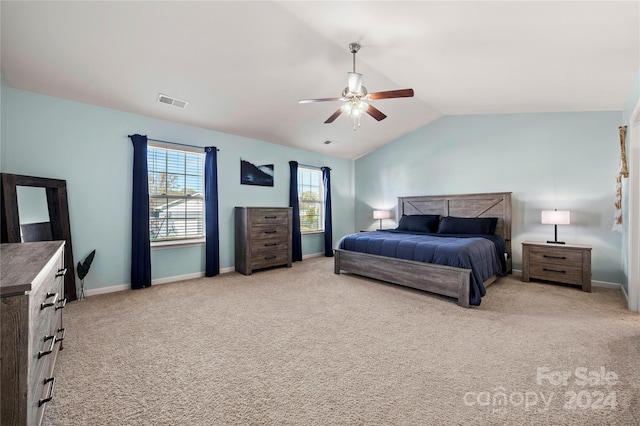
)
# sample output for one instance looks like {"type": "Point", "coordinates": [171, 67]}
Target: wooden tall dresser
{"type": "Point", "coordinates": [263, 238]}
{"type": "Point", "coordinates": [31, 302]}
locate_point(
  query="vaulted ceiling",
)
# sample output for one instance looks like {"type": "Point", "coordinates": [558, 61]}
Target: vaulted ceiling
{"type": "Point", "coordinates": [243, 66]}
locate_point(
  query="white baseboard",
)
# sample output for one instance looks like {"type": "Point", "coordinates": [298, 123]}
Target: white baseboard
{"type": "Point", "coordinates": [626, 296]}
{"type": "Point", "coordinates": [123, 287]}
{"type": "Point", "coordinates": [308, 256]}
{"type": "Point", "coordinates": [166, 280]}
{"type": "Point", "coordinates": [594, 283]}
{"type": "Point", "coordinates": [606, 284]}
{"type": "Point", "coordinates": [103, 290]}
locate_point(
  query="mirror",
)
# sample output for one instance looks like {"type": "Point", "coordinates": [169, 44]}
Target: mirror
{"type": "Point", "coordinates": [33, 213]}
{"type": "Point", "coordinates": [37, 219]}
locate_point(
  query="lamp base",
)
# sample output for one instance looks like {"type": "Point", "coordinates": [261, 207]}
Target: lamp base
{"type": "Point", "coordinates": [556, 242]}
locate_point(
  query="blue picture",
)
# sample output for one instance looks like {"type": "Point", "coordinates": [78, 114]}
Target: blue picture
{"type": "Point", "coordinates": [250, 174]}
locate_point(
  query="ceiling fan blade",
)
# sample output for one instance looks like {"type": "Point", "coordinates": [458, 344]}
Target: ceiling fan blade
{"type": "Point", "coordinates": [308, 101]}
{"type": "Point", "coordinates": [333, 116]}
{"type": "Point", "coordinates": [375, 113]}
{"type": "Point", "coordinates": [402, 93]}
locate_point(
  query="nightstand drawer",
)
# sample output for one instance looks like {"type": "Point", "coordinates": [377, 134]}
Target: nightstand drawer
{"type": "Point", "coordinates": [559, 273]}
{"type": "Point", "coordinates": [551, 256]}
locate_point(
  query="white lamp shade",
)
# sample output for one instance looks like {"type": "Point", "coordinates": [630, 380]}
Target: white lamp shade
{"type": "Point", "coordinates": [556, 217]}
{"type": "Point", "coordinates": [381, 214]}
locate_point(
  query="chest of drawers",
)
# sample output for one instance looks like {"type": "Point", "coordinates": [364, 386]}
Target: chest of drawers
{"type": "Point", "coordinates": [563, 263]}
{"type": "Point", "coordinates": [262, 238]}
{"type": "Point", "coordinates": [31, 302]}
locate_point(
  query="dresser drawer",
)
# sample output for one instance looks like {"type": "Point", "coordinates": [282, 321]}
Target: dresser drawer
{"type": "Point", "coordinates": [258, 248]}
{"type": "Point", "coordinates": [44, 385]}
{"type": "Point", "coordinates": [270, 232]}
{"type": "Point", "coordinates": [269, 216]}
{"type": "Point", "coordinates": [551, 256]}
{"type": "Point", "coordinates": [270, 258]}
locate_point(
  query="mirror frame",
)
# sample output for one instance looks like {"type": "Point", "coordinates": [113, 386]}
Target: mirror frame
{"type": "Point", "coordinates": [56, 191]}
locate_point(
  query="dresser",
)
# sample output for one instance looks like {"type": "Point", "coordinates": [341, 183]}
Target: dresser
{"type": "Point", "coordinates": [31, 302]}
{"type": "Point", "coordinates": [562, 263]}
{"type": "Point", "coordinates": [262, 238]}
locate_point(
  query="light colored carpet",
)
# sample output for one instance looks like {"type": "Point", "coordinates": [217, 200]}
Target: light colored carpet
{"type": "Point", "coordinates": [303, 346]}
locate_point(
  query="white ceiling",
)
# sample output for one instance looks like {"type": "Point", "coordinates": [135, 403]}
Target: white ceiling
{"type": "Point", "coordinates": [243, 66]}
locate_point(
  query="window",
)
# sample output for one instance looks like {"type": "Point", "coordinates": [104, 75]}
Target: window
{"type": "Point", "coordinates": [311, 199]}
{"type": "Point", "coordinates": [176, 188]}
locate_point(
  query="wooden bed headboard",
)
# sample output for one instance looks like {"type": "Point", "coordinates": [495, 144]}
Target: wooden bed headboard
{"type": "Point", "coordinates": [489, 204]}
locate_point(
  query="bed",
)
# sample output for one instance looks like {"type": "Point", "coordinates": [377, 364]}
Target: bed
{"type": "Point", "coordinates": [450, 281]}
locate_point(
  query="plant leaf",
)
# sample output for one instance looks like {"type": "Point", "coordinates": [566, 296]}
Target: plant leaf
{"type": "Point", "coordinates": [83, 268]}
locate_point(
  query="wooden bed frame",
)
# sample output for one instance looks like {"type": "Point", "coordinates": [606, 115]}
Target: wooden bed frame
{"type": "Point", "coordinates": [439, 279]}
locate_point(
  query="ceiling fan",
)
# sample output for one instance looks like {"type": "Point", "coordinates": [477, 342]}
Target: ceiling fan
{"type": "Point", "coordinates": [355, 98]}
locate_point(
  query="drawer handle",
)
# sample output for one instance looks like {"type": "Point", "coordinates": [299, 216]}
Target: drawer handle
{"type": "Point", "coordinates": [270, 244]}
{"type": "Point", "coordinates": [269, 257]}
{"type": "Point", "coordinates": [554, 270]}
{"type": "Point", "coordinates": [270, 232]}
{"type": "Point", "coordinates": [61, 272]}
{"type": "Point", "coordinates": [61, 338]}
{"type": "Point", "coordinates": [61, 304]}
{"type": "Point", "coordinates": [53, 343]}
{"type": "Point", "coordinates": [270, 217]}
{"type": "Point", "coordinates": [49, 304]}
{"type": "Point", "coordinates": [52, 382]}
{"type": "Point", "coordinates": [554, 257]}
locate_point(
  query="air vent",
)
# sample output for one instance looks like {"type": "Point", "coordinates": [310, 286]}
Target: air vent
{"type": "Point", "coordinates": [164, 99]}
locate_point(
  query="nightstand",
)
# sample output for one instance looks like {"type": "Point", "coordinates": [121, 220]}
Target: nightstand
{"type": "Point", "coordinates": [562, 263]}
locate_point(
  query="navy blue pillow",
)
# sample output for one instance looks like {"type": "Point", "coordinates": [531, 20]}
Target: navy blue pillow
{"type": "Point", "coordinates": [468, 225]}
{"type": "Point", "coordinates": [419, 223]}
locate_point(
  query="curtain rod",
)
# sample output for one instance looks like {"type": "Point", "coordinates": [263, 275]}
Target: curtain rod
{"type": "Point", "coordinates": [309, 165]}
{"type": "Point", "coordinates": [181, 144]}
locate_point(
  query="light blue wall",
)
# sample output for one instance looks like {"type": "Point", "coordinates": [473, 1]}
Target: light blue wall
{"type": "Point", "coordinates": [566, 161]}
{"type": "Point", "coordinates": [630, 104]}
{"type": "Point", "coordinates": [88, 147]}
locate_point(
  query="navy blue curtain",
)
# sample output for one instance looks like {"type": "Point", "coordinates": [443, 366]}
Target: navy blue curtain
{"type": "Point", "coordinates": [296, 243]}
{"type": "Point", "coordinates": [328, 229]}
{"type": "Point", "coordinates": [212, 251]}
{"type": "Point", "coordinates": [140, 244]}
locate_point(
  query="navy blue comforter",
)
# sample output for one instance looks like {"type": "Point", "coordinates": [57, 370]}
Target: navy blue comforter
{"type": "Point", "coordinates": [483, 254]}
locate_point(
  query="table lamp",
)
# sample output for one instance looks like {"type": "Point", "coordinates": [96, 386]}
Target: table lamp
{"type": "Point", "coordinates": [381, 214]}
{"type": "Point", "coordinates": [555, 218]}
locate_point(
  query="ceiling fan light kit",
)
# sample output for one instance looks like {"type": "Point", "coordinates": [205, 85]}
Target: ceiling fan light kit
{"type": "Point", "coordinates": [355, 97]}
